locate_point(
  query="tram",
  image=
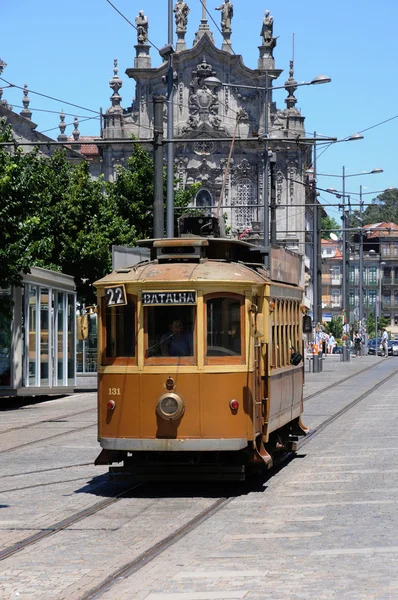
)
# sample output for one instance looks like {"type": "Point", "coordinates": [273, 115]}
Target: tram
{"type": "Point", "coordinates": [200, 367]}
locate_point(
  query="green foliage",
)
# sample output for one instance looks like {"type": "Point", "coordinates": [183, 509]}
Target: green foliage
{"type": "Point", "coordinates": [334, 327]}
{"type": "Point", "coordinates": [328, 223]}
{"type": "Point", "coordinates": [371, 325]}
{"type": "Point", "coordinates": [383, 208]}
{"type": "Point", "coordinates": [53, 215]}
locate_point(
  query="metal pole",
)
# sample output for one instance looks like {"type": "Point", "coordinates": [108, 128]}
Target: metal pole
{"type": "Point", "coordinates": [272, 164]}
{"type": "Point", "coordinates": [361, 261]}
{"type": "Point", "coordinates": [265, 179]}
{"type": "Point", "coordinates": [170, 145]}
{"type": "Point", "coordinates": [315, 267]}
{"type": "Point", "coordinates": [158, 202]}
{"type": "Point", "coordinates": [344, 307]}
{"type": "Point", "coordinates": [315, 249]}
{"type": "Point", "coordinates": [346, 352]}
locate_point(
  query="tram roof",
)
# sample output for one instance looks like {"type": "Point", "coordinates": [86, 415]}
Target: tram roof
{"type": "Point", "coordinates": [207, 270]}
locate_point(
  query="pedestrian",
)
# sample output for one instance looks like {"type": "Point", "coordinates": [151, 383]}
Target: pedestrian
{"type": "Point", "coordinates": [384, 343]}
{"type": "Point", "coordinates": [331, 343]}
{"type": "Point", "coordinates": [358, 344]}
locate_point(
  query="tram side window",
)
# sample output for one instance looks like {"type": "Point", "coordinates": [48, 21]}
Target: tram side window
{"type": "Point", "coordinates": [224, 327]}
{"type": "Point", "coordinates": [169, 331]}
{"type": "Point", "coordinates": [120, 331]}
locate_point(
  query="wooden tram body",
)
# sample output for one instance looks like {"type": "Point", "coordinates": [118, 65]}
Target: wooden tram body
{"type": "Point", "coordinates": [233, 399]}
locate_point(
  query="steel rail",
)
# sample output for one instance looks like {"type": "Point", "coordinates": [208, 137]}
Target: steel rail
{"type": "Point", "coordinates": [50, 437]}
{"type": "Point", "coordinates": [333, 385]}
{"type": "Point", "coordinates": [343, 410]}
{"type": "Point", "coordinates": [148, 555]}
{"type": "Point", "coordinates": [65, 523]}
{"type": "Point", "coordinates": [143, 559]}
{"type": "Point", "coordinates": [54, 420]}
{"type": "Point", "coordinates": [158, 548]}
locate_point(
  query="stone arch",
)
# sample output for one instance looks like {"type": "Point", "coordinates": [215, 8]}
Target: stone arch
{"type": "Point", "coordinates": [204, 198]}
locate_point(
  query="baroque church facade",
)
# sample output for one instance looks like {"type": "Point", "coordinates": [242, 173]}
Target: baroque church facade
{"type": "Point", "coordinates": [222, 115]}
{"type": "Point", "coordinates": [220, 124]}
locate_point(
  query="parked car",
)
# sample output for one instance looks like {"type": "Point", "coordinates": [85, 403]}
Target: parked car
{"type": "Point", "coordinates": [374, 344]}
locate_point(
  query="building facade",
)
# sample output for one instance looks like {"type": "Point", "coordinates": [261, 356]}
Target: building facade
{"type": "Point", "coordinates": [220, 126]}
{"type": "Point", "coordinates": [379, 276]}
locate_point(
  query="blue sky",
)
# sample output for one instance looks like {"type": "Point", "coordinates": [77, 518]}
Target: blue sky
{"type": "Point", "coordinates": [66, 50]}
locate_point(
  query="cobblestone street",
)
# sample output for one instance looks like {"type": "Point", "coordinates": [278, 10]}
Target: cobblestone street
{"type": "Point", "coordinates": [323, 526]}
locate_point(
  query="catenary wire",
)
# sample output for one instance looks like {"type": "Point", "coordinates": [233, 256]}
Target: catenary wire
{"type": "Point", "coordinates": [51, 97]}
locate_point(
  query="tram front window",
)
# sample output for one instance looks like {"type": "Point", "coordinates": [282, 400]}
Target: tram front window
{"type": "Point", "coordinates": [224, 330]}
{"type": "Point", "coordinates": [120, 332]}
{"type": "Point", "coordinates": [169, 332]}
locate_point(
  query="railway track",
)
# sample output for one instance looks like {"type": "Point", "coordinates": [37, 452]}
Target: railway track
{"type": "Point", "coordinates": [155, 550]}
{"type": "Point", "coordinates": [55, 420]}
{"type": "Point", "coordinates": [63, 417]}
{"type": "Point", "coordinates": [50, 437]}
{"type": "Point", "coordinates": [333, 385]}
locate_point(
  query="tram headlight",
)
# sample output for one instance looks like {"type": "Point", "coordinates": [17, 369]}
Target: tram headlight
{"type": "Point", "coordinates": [170, 406]}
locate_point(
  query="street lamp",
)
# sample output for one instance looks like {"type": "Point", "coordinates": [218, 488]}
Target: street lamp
{"type": "Point", "coordinates": [343, 196]}
{"type": "Point", "coordinates": [213, 82]}
{"type": "Point", "coordinates": [317, 250]}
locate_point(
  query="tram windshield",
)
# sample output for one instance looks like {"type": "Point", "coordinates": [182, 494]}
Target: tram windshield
{"type": "Point", "coordinates": [120, 331]}
{"type": "Point", "coordinates": [169, 331]}
{"type": "Point", "coordinates": [224, 331]}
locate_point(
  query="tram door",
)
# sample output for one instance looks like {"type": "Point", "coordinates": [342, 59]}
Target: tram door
{"type": "Point", "coordinates": [255, 341]}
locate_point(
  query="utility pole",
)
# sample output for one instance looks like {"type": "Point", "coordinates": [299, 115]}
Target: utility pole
{"type": "Point", "coordinates": [170, 128]}
{"type": "Point", "coordinates": [266, 180]}
{"type": "Point", "coordinates": [316, 268]}
{"type": "Point", "coordinates": [158, 202]}
{"type": "Point", "coordinates": [272, 204]}
{"type": "Point", "coordinates": [360, 261]}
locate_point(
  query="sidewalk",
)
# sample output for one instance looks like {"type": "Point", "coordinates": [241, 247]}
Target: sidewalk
{"type": "Point", "coordinates": [328, 392]}
{"type": "Point", "coordinates": [334, 370]}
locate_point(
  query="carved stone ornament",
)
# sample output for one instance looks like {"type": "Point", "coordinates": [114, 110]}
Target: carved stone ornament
{"type": "Point", "coordinates": [244, 169]}
{"type": "Point", "coordinates": [203, 103]}
{"type": "Point", "coordinates": [279, 186]}
{"type": "Point", "coordinates": [204, 148]}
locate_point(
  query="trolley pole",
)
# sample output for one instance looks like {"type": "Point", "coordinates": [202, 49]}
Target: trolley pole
{"type": "Point", "coordinates": [158, 203]}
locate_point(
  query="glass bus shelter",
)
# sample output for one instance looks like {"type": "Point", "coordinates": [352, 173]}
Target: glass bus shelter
{"type": "Point", "coordinates": [38, 335]}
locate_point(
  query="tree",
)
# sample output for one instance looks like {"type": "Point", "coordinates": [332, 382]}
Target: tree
{"type": "Point", "coordinates": [327, 224]}
{"type": "Point", "coordinates": [53, 215]}
{"type": "Point", "coordinates": [383, 208]}
{"type": "Point", "coordinates": [371, 325]}
{"type": "Point", "coordinates": [335, 327]}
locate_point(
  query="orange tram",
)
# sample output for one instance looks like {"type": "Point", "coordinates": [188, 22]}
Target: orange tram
{"type": "Point", "coordinates": [200, 374]}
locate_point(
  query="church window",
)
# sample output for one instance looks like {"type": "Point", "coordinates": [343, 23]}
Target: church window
{"type": "Point", "coordinates": [203, 198]}
{"type": "Point", "coordinates": [244, 201]}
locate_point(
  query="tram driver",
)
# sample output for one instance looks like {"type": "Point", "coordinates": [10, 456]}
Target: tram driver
{"type": "Point", "coordinates": [176, 342]}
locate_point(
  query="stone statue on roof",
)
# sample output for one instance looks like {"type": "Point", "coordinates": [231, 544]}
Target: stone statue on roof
{"type": "Point", "coordinates": [142, 28]}
{"type": "Point", "coordinates": [227, 12]}
{"type": "Point", "coordinates": [181, 11]}
{"type": "Point", "coordinates": [267, 28]}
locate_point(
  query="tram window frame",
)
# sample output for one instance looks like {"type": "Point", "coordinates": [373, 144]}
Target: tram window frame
{"type": "Point", "coordinates": [118, 360]}
{"type": "Point", "coordinates": [175, 314]}
{"type": "Point", "coordinates": [233, 359]}
{"type": "Point", "coordinates": [285, 331]}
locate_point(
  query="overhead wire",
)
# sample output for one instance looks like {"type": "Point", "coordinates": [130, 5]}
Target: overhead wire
{"type": "Point", "coordinates": [50, 97]}
{"type": "Point", "coordinates": [129, 22]}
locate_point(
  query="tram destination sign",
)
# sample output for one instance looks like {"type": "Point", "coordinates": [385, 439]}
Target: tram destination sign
{"type": "Point", "coordinates": [116, 295]}
{"type": "Point", "coordinates": [166, 298]}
